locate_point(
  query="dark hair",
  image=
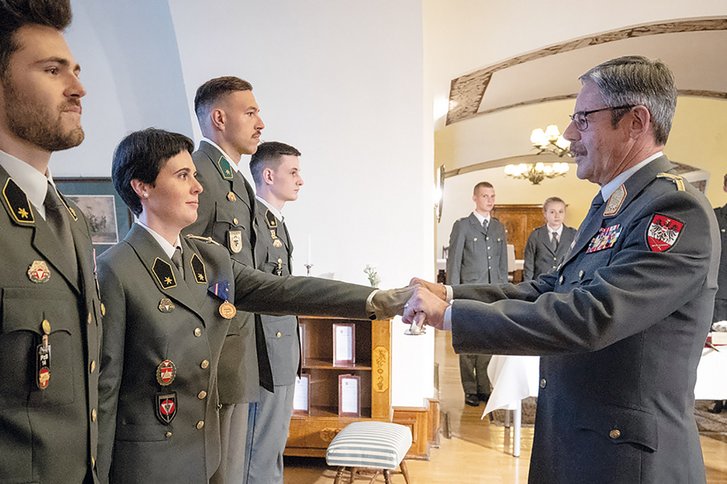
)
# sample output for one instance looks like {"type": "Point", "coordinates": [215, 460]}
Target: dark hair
{"type": "Point", "coordinates": [550, 200]}
{"type": "Point", "coordinates": [211, 91]}
{"type": "Point", "coordinates": [482, 184]}
{"type": "Point", "coordinates": [633, 81]}
{"type": "Point", "coordinates": [268, 156]}
{"type": "Point", "coordinates": [141, 156]}
{"type": "Point", "coordinates": [15, 14]}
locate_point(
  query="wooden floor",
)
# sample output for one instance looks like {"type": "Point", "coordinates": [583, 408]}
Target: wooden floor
{"type": "Point", "coordinates": [477, 452]}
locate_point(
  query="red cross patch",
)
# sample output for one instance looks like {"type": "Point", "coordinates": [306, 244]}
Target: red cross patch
{"type": "Point", "coordinates": [663, 232]}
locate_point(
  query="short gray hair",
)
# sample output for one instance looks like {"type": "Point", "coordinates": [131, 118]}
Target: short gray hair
{"type": "Point", "coordinates": [637, 81]}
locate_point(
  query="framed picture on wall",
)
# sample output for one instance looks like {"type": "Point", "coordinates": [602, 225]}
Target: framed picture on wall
{"type": "Point", "coordinates": [108, 216]}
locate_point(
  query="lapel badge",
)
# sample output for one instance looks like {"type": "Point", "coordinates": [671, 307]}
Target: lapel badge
{"type": "Point", "coordinates": [163, 273]}
{"type": "Point", "coordinates": [200, 274]}
{"type": "Point", "coordinates": [234, 241]}
{"type": "Point", "coordinates": [277, 243]}
{"type": "Point", "coordinates": [166, 372]}
{"type": "Point", "coordinates": [166, 407]}
{"type": "Point", "coordinates": [227, 310]}
{"type": "Point", "coordinates": [605, 239]}
{"type": "Point", "coordinates": [17, 203]}
{"type": "Point", "coordinates": [166, 305]}
{"type": "Point", "coordinates": [225, 168]}
{"type": "Point", "coordinates": [38, 272]}
{"type": "Point", "coordinates": [663, 232]}
{"type": "Point", "coordinates": [231, 196]}
{"type": "Point", "coordinates": [270, 219]}
{"type": "Point", "coordinates": [221, 290]}
{"type": "Point", "coordinates": [279, 267]}
{"type": "Point", "coordinates": [615, 201]}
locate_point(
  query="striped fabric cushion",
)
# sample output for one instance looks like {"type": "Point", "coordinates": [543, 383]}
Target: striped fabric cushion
{"type": "Point", "coordinates": [381, 445]}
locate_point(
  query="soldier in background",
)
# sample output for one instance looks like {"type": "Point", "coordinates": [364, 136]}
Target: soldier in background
{"type": "Point", "coordinates": [275, 167]}
{"type": "Point", "coordinates": [548, 244]}
{"type": "Point", "coordinates": [48, 399]}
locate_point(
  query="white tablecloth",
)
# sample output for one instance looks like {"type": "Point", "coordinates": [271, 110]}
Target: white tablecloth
{"type": "Point", "coordinates": [513, 378]}
{"type": "Point", "coordinates": [711, 375]}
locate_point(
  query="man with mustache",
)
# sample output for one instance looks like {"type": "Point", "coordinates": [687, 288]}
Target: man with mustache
{"type": "Point", "coordinates": [51, 314]}
{"type": "Point", "coordinates": [621, 324]}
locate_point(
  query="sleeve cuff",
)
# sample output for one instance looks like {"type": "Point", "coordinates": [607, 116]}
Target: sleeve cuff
{"type": "Point", "coordinates": [450, 293]}
{"type": "Point", "coordinates": [447, 323]}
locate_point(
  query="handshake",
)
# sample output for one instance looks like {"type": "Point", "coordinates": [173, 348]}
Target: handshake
{"type": "Point", "coordinates": [419, 302]}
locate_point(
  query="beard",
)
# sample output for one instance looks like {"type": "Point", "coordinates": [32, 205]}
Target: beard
{"type": "Point", "coordinates": [39, 124]}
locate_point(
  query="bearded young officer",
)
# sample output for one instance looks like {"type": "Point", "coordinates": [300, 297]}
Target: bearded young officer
{"type": "Point", "coordinates": [170, 304]}
{"type": "Point", "coordinates": [51, 313]}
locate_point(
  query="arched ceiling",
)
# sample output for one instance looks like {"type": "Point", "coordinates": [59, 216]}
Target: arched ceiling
{"type": "Point", "coordinates": [695, 50]}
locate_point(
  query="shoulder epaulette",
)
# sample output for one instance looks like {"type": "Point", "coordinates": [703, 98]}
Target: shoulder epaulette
{"type": "Point", "coordinates": [678, 180]}
{"type": "Point", "coordinates": [208, 240]}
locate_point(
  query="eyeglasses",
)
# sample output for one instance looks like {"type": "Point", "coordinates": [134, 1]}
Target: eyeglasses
{"type": "Point", "coordinates": [580, 118]}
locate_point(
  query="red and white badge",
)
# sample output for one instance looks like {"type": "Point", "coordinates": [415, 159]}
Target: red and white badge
{"type": "Point", "coordinates": [663, 232]}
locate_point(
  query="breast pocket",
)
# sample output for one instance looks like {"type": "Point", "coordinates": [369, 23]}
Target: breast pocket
{"type": "Point", "coordinates": [23, 313]}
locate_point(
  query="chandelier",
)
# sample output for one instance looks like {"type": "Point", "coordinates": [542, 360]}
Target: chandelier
{"type": "Point", "coordinates": [536, 172]}
{"type": "Point", "coordinates": [548, 141]}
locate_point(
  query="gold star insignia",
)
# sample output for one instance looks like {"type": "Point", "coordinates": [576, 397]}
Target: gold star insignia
{"type": "Point", "coordinates": [23, 213]}
{"type": "Point", "coordinates": [200, 277]}
{"type": "Point", "coordinates": [168, 280]}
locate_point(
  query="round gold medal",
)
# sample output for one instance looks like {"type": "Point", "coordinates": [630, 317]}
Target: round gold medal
{"type": "Point", "coordinates": [227, 310]}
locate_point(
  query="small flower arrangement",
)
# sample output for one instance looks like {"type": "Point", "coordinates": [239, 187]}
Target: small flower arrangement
{"type": "Point", "coordinates": [373, 276]}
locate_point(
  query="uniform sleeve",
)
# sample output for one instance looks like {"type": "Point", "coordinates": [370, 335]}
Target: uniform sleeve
{"type": "Point", "coordinates": [529, 258]}
{"type": "Point", "coordinates": [111, 366]}
{"type": "Point", "coordinates": [636, 289]}
{"type": "Point", "coordinates": [455, 253]}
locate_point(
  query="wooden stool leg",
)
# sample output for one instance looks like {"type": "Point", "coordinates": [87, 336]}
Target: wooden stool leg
{"type": "Point", "coordinates": [387, 476]}
{"type": "Point", "coordinates": [404, 470]}
{"type": "Point", "coordinates": [339, 473]}
{"type": "Point", "coordinates": [354, 470]}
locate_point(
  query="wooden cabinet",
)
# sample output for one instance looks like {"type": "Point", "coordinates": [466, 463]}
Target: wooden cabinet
{"type": "Point", "coordinates": [519, 222]}
{"type": "Point", "coordinates": [310, 434]}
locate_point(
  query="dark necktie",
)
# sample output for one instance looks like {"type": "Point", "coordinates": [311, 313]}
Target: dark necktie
{"type": "Point", "coordinates": [177, 259]}
{"type": "Point", "coordinates": [484, 225]}
{"type": "Point", "coordinates": [56, 214]}
{"type": "Point", "coordinates": [554, 240]}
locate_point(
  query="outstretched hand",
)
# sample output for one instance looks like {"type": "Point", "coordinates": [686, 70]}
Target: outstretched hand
{"type": "Point", "coordinates": [424, 301]}
{"type": "Point", "coordinates": [436, 289]}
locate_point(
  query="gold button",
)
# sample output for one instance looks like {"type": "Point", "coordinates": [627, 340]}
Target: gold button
{"type": "Point", "coordinates": [200, 425]}
{"type": "Point", "coordinates": [235, 221]}
{"type": "Point", "coordinates": [231, 197]}
{"type": "Point", "coordinates": [103, 310]}
{"type": "Point", "coordinates": [46, 326]}
{"type": "Point", "coordinates": [198, 332]}
{"type": "Point", "coordinates": [543, 382]}
{"type": "Point", "coordinates": [278, 334]}
{"type": "Point", "coordinates": [614, 434]}
{"type": "Point", "coordinates": [93, 415]}
{"type": "Point", "coordinates": [202, 395]}
{"type": "Point", "coordinates": [204, 364]}
{"type": "Point", "coordinates": [93, 366]}
{"type": "Point", "coordinates": [89, 318]}
{"type": "Point", "coordinates": [93, 461]}
{"type": "Point", "coordinates": [168, 434]}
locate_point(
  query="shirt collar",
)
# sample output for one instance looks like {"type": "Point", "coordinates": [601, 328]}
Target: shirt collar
{"type": "Point", "coordinates": [166, 246]}
{"type": "Point", "coordinates": [233, 164]}
{"type": "Point", "coordinates": [481, 217]}
{"type": "Point", "coordinates": [610, 187]}
{"type": "Point", "coordinates": [559, 231]}
{"type": "Point", "coordinates": [33, 183]}
{"type": "Point", "coordinates": [278, 214]}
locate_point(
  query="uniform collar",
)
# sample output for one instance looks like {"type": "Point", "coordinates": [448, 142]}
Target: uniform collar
{"type": "Point", "coordinates": [278, 214]}
{"type": "Point", "coordinates": [243, 170]}
{"type": "Point", "coordinates": [480, 217]}
{"type": "Point", "coordinates": [166, 246]}
{"type": "Point", "coordinates": [610, 187]}
{"type": "Point", "coordinates": [33, 183]}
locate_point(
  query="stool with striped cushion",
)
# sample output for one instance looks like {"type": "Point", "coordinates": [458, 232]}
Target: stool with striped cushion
{"type": "Point", "coordinates": [373, 445]}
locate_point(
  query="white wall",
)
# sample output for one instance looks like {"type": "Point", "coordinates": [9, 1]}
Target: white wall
{"type": "Point", "coordinates": [341, 81]}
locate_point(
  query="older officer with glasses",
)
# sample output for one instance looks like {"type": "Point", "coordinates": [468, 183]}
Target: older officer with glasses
{"type": "Point", "coordinates": [621, 324]}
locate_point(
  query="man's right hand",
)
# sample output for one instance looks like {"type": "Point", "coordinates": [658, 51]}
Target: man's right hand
{"type": "Point", "coordinates": [436, 289]}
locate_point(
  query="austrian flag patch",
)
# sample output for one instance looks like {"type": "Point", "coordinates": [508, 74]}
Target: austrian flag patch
{"type": "Point", "coordinates": [663, 232]}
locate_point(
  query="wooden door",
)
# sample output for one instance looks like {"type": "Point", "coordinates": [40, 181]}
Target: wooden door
{"type": "Point", "coordinates": [519, 222]}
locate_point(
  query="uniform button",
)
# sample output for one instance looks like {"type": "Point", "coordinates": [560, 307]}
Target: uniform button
{"type": "Point", "coordinates": [235, 221]}
{"type": "Point", "coordinates": [93, 366]}
{"type": "Point", "coordinates": [204, 364]}
{"type": "Point", "coordinates": [487, 238]}
{"type": "Point", "coordinates": [581, 274]}
{"type": "Point", "coordinates": [168, 434]}
{"type": "Point", "coordinates": [489, 248]}
{"type": "Point", "coordinates": [560, 281]}
{"type": "Point", "coordinates": [278, 334]}
{"type": "Point", "coordinates": [198, 332]}
{"type": "Point", "coordinates": [614, 434]}
{"type": "Point", "coordinates": [93, 415]}
{"type": "Point", "coordinates": [202, 395]}
{"type": "Point", "coordinates": [103, 310]}
{"type": "Point", "coordinates": [89, 318]}
{"type": "Point", "coordinates": [543, 382]}
{"type": "Point", "coordinates": [489, 257]}
{"type": "Point", "coordinates": [93, 461]}
{"type": "Point", "coordinates": [231, 196]}
{"type": "Point", "coordinates": [200, 425]}
{"type": "Point", "coordinates": [489, 268]}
